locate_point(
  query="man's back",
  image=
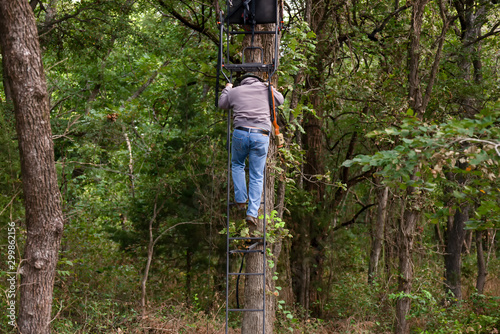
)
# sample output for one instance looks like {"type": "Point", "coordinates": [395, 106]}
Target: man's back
{"type": "Point", "coordinates": [250, 103]}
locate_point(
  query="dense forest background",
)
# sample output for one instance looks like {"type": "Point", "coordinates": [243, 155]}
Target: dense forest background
{"type": "Point", "coordinates": [387, 186]}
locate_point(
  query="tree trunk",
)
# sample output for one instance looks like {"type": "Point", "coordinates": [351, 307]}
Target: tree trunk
{"type": "Point", "coordinates": [189, 274]}
{"type": "Point", "coordinates": [6, 79]}
{"type": "Point", "coordinates": [254, 287]}
{"type": "Point", "coordinates": [378, 233]}
{"type": "Point", "coordinates": [408, 222]}
{"type": "Point", "coordinates": [481, 264]}
{"type": "Point", "coordinates": [390, 238]}
{"type": "Point", "coordinates": [466, 247]}
{"type": "Point", "coordinates": [144, 280]}
{"type": "Point", "coordinates": [313, 145]}
{"type": "Point", "coordinates": [439, 238]}
{"type": "Point", "coordinates": [44, 218]}
{"type": "Point", "coordinates": [286, 293]}
{"type": "Point", "coordinates": [469, 14]}
{"type": "Point", "coordinates": [454, 237]}
{"type": "Point", "coordinates": [453, 254]}
{"type": "Point", "coordinates": [405, 241]}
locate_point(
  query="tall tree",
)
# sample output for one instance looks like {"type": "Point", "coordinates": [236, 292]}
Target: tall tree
{"type": "Point", "coordinates": [378, 233]}
{"type": "Point", "coordinates": [44, 218]}
{"type": "Point", "coordinates": [471, 16]}
{"type": "Point", "coordinates": [418, 102]}
{"type": "Point", "coordinates": [254, 289]}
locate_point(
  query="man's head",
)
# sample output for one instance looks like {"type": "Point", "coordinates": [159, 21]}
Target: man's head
{"type": "Point", "coordinates": [238, 81]}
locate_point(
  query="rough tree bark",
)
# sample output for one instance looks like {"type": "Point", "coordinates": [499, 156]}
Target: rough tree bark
{"type": "Point", "coordinates": [418, 101]}
{"type": "Point", "coordinates": [481, 263]}
{"type": "Point", "coordinates": [408, 222]}
{"type": "Point", "coordinates": [378, 233]}
{"type": "Point", "coordinates": [6, 80]}
{"type": "Point", "coordinates": [254, 288]}
{"type": "Point", "coordinates": [306, 248]}
{"type": "Point", "coordinates": [286, 293]}
{"type": "Point", "coordinates": [471, 15]}
{"type": "Point", "coordinates": [455, 235]}
{"type": "Point", "coordinates": [405, 242]}
{"type": "Point", "coordinates": [44, 218]}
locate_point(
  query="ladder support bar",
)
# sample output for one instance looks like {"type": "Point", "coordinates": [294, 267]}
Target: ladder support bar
{"type": "Point", "coordinates": [247, 274]}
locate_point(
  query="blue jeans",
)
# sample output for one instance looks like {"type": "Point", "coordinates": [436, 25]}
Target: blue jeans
{"type": "Point", "coordinates": [254, 146]}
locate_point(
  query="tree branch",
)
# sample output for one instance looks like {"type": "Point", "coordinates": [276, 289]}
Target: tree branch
{"type": "Point", "coordinates": [189, 24]}
{"type": "Point", "coordinates": [437, 58]}
{"type": "Point", "coordinates": [353, 220]}
{"type": "Point", "coordinates": [148, 82]}
{"type": "Point", "coordinates": [172, 227]}
{"type": "Point", "coordinates": [488, 34]}
{"type": "Point", "coordinates": [386, 20]}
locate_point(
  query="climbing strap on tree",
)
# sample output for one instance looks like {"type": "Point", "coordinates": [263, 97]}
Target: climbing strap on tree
{"type": "Point", "coordinates": [272, 107]}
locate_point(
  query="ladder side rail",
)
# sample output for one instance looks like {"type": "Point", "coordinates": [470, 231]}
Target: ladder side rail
{"type": "Point", "coordinates": [228, 138]}
{"type": "Point", "coordinates": [228, 33]}
{"type": "Point", "coordinates": [220, 60]}
{"type": "Point", "coordinates": [276, 43]}
{"type": "Point", "coordinates": [264, 254]}
{"type": "Point", "coordinates": [221, 47]}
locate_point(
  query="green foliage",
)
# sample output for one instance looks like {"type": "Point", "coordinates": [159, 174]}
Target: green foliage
{"type": "Point", "coordinates": [429, 151]}
{"type": "Point", "coordinates": [135, 131]}
{"type": "Point", "coordinates": [432, 317]}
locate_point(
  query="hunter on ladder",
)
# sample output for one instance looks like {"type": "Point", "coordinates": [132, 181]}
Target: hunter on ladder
{"type": "Point", "coordinates": [252, 125]}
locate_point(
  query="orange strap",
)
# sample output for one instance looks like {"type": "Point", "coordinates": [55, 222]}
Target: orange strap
{"type": "Point", "coordinates": [275, 122]}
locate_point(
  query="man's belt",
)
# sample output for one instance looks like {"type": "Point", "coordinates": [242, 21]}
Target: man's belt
{"type": "Point", "coordinates": [252, 130]}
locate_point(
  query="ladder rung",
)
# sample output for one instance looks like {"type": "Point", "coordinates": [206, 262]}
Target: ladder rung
{"type": "Point", "coordinates": [247, 238]}
{"type": "Point", "coordinates": [249, 67]}
{"type": "Point", "coordinates": [257, 32]}
{"type": "Point", "coordinates": [246, 251]}
{"type": "Point", "coordinates": [244, 310]}
{"type": "Point", "coordinates": [247, 274]}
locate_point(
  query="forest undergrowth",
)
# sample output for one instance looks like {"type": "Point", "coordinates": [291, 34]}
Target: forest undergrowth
{"type": "Point", "coordinates": [356, 311]}
{"type": "Point", "coordinates": [106, 300]}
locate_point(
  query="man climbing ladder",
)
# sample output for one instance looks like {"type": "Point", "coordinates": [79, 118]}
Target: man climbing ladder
{"type": "Point", "coordinates": [254, 105]}
{"type": "Point", "coordinates": [252, 125]}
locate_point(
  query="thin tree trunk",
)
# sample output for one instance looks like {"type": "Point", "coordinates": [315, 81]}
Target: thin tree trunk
{"type": "Point", "coordinates": [409, 220]}
{"type": "Point", "coordinates": [470, 14]}
{"type": "Point", "coordinates": [453, 254]}
{"type": "Point", "coordinates": [144, 280]}
{"type": "Point", "coordinates": [151, 245]}
{"type": "Point", "coordinates": [481, 264]}
{"type": "Point", "coordinates": [189, 273]}
{"type": "Point", "coordinates": [438, 237]}
{"type": "Point", "coordinates": [307, 250]}
{"type": "Point", "coordinates": [146, 271]}
{"type": "Point", "coordinates": [6, 79]}
{"type": "Point", "coordinates": [44, 217]}
{"type": "Point", "coordinates": [286, 293]}
{"type": "Point", "coordinates": [130, 162]}
{"type": "Point", "coordinates": [378, 233]}
{"type": "Point", "coordinates": [491, 245]}
{"type": "Point", "coordinates": [405, 235]}
{"type": "Point", "coordinates": [466, 249]}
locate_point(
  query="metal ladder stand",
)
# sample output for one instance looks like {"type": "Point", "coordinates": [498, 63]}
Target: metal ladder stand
{"type": "Point", "coordinates": [244, 14]}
